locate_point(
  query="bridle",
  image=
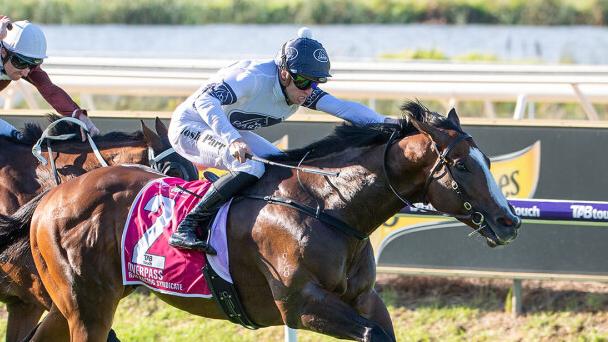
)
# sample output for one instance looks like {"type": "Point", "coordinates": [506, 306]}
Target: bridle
{"type": "Point", "coordinates": [155, 162]}
{"type": "Point", "coordinates": [442, 161]}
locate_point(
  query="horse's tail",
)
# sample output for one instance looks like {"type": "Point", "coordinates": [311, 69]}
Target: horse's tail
{"type": "Point", "coordinates": [17, 226]}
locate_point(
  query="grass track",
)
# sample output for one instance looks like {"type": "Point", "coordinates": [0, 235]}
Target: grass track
{"type": "Point", "coordinates": [423, 309]}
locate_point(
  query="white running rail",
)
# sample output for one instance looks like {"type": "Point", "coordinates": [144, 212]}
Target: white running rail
{"type": "Point", "coordinates": [446, 82]}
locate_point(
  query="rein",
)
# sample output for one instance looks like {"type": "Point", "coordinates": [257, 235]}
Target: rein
{"type": "Point", "coordinates": [153, 160]}
{"type": "Point", "coordinates": [317, 212]}
{"type": "Point", "coordinates": [315, 171]}
{"type": "Point", "coordinates": [37, 148]}
{"type": "Point", "coordinates": [441, 162]}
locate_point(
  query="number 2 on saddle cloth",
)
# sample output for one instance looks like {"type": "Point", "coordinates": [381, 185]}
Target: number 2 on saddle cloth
{"type": "Point", "coordinates": [147, 257]}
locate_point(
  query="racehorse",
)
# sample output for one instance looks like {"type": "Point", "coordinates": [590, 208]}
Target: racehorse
{"type": "Point", "coordinates": [22, 177]}
{"type": "Point", "coordinates": [288, 267]}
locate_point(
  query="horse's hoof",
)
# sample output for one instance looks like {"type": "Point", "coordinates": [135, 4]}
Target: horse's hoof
{"type": "Point", "coordinates": [377, 334]}
{"type": "Point", "coordinates": [112, 336]}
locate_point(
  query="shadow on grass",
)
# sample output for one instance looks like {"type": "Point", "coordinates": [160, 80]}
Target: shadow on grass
{"type": "Point", "coordinates": [490, 294]}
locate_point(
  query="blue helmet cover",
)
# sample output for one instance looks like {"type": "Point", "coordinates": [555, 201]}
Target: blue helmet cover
{"type": "Point", "coordinates": [306, 57]}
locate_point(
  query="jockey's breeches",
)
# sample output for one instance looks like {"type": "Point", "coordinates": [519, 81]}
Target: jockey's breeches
{"type": "Point", "coordinates": [195, 141]}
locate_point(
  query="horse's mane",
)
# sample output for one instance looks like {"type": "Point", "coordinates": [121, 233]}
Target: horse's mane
{"type": "Point", "coordinates": [348, 136]}
{"type": "Point", "coordinates": [32, 132]}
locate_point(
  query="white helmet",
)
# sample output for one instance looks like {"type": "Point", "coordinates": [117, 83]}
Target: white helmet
{"type": "Point", "coordinates": [26, 39]}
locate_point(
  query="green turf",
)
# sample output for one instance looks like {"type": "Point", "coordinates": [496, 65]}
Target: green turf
{"type": "Point", "coordinates": [422, 309]}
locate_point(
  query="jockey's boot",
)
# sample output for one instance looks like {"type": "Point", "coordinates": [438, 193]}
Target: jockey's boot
{"type": "Point", "coordinates": [219, 192]}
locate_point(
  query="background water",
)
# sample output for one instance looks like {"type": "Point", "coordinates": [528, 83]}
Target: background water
{"type": "Point", "coordinates": [575, 44]}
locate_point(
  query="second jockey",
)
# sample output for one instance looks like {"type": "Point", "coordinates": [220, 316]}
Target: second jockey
{"type": "Point", "coordinates": [214, 126]}
{"type": "Point", "coordinates": [23, 49]}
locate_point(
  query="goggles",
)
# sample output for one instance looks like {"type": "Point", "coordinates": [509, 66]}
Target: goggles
{"type": "Point", "coordinates": [302, 82]}
{"type": "Point", "coordinates": [21, 62]}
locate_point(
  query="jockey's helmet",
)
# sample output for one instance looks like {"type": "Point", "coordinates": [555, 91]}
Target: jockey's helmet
{"type": "Point", "coordinates": [27, 40]}
{"type": "Point", "coordinates": [305, 56]}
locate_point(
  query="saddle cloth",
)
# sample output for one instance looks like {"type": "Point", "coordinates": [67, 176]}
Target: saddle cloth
{"type": "Point", "coordinates": [147, 258]}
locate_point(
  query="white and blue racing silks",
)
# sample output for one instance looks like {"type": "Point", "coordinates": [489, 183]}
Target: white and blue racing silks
{"type": "Point", "coordinates": [247, 95]}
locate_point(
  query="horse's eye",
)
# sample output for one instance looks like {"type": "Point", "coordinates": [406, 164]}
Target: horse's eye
{"type": "Point", "coordinates": [460, 166]}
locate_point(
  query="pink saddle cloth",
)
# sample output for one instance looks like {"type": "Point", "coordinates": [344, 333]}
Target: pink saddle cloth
{"type": "Point", "coordinates": [147, 258]}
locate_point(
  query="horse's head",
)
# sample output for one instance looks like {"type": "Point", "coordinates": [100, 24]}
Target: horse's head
{"type": "Point", "coordinates": [162, 157]}
{"type": "Point", "coordinates": [456, 175]}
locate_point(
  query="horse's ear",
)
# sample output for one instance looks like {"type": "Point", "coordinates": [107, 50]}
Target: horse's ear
{"type": "Point", "coordinates": [161, 129]}
{"type": "Point", "coordinates": [452, 116]}
{"type": "Point", "coordinates": [152, 139]}
{"type": "Point", "coordinates": [424, 128]}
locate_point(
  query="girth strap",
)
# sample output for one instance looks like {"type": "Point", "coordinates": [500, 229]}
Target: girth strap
{"type": "Point", "coordinates": [310, 211]}
{"type": "Point", "coordinates": [226, 296]}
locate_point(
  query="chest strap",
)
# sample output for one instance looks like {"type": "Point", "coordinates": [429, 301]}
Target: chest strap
{"type": "Point", "coordinates": [313, 212]}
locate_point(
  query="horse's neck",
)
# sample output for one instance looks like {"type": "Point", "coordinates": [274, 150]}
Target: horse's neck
{"type": "Point", "coordinates": [114, 153]}
{"type": "Point", "coordinates": [74, 160]}
{"type": "Point", "coordinates": [134, 153]}
{"type": "Point", "coordinates": [359, 195]}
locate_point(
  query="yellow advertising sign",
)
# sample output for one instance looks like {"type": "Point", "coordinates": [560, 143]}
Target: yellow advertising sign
{"type": "Point", "coordinates": [517, 173]}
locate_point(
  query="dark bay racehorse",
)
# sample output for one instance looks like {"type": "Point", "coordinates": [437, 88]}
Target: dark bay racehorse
{"type": "Point", "coordinates": [288, 267]}
{"type": "Point", "coordinates": [22, 177]}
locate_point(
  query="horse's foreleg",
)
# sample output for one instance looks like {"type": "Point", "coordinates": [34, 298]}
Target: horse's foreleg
{"type": "Point", "coordinates": [326, 313]}
{"type": "Point", "coordinates": [22, 318]}
{"type": "Point", "coordinates": [372, 307]}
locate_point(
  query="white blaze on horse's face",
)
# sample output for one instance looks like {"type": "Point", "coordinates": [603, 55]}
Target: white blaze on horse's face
{"type": "Point", "coordinates": [495, 192]}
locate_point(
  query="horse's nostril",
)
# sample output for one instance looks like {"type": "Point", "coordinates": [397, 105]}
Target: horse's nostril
{"type": "Point", "coordinates": [506, 222]}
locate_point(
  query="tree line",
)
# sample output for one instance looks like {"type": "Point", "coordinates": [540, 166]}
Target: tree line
{"type": "Point", "coordinates": [196, 12]}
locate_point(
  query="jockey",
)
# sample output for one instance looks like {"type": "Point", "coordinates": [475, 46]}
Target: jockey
{"type": "Point", "coordinates": [23, 49]}
{"type": "Point", "coordinates": [214, 126]}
